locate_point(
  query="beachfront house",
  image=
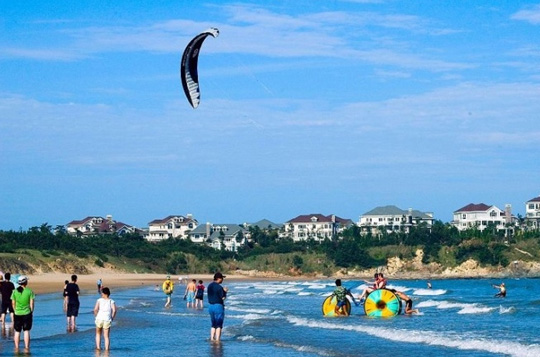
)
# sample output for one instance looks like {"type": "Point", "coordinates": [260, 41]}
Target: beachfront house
{"type": "Point", "coordinates": [532, 213]}
{"type": "Point", "coordinates": [393, 219]}
{"type": "Point", "coordinates": [481, 216]}
{"type": "Point", "coordinates": [174, 226]}
{"type": "Point", "coordinates": [314, 226]}
{"type": "Point", "coordinates": [220, 236]}
{"type": "Point", "coordinates": [98, 225]}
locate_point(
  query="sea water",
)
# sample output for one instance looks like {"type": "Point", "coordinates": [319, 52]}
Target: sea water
{"type": "Point", "coordinates": [457, 318]}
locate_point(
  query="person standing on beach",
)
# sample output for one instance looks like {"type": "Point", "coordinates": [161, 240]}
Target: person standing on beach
{"type": "Point", "coordinates": [23, 305]}
{"type": "Point", "coordinates": [105, 312]}
{"type": "Point", "coordinates": [6, 289]}
{"type": "Point", "coordinates": [71, 292]}
{"type": "Point", "coordinates": [99, 284]}
{"type": "Point", "coordinates": [199, 296]}
{"type": "Point", "coordinates": [189, 294]}
{"type": "Point", "coordinates": [216, 300]}
{"type": "Point", "coordinates": [168, 288]}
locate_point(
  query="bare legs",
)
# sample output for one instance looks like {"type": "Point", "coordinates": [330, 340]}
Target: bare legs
{"type": "Point", "coordinates": [215, 334]}
{"type": "Point", "coordinates": [106, 339]}
{"type": "Point", "coordinates": [17, 339]}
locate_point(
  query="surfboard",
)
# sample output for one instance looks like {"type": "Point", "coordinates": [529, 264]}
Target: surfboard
{"type": "Point", "coordinates": [329, 307]}
{"type": "Point", "coordinates": [382, 303]}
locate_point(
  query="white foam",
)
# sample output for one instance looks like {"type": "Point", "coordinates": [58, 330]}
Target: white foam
{"type": "Point", "coordinates": [429, 338]}
{"type": "Point", "coordinates": [397, 287]}
{"type": "Point", "coordinates": [429, 292]}
{"type": "Point", "coordinates": [304, 293]}
{"type": "Point", "coordinates": [255, 311]}
{"type": "Point", "coordinates": [475, 309]}
{"type": "Point", "coordinates": [317, 286]}
{"type": "Point", "coordinates": [506, 310]}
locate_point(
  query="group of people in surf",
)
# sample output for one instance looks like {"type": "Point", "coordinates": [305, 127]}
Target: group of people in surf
{"type": "Point", "coordinates": [379, 282]}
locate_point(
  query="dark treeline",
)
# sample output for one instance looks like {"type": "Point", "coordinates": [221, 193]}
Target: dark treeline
{"type": "Point", "coordinates": [442, 243]}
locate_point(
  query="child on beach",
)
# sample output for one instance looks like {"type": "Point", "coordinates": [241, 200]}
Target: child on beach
{"type": "Point", "coordinates": [104, 311]}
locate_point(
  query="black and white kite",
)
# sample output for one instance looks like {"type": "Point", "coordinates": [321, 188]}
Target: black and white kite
{"type": "Point", "coordinates": [188, 66]}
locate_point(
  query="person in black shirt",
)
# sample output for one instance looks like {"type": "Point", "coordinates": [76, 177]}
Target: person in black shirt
{"type": "Point", "coordinates": [216, 296]}
{"type": "Point", "coordinates": [72, 293]}
{"type": "Point", "coordinates": [6, 288]}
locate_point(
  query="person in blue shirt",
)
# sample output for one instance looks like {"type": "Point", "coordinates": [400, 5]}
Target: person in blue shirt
{"type": "Point", "coordinates": [216, 299]}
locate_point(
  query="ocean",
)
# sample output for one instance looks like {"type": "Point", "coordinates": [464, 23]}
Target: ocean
{"type": "Point", "coordinates": [270, 318]}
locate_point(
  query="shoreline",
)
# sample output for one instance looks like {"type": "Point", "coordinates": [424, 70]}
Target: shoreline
{"type": "Point", "coordinates": [54, 282]}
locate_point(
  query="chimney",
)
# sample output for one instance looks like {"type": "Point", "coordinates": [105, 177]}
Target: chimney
{"type": "Point", "coordinates": [109, 219]}
{"type": "Point", "coordinates": [207, 230]}
{"type": "Point", "coordinates": [508, 213]}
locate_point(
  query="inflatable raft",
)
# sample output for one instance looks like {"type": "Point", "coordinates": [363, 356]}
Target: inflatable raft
{"type": "Point", "coordinates": [382, 303]}
{"type": "Point", "coordinates": [329, 307]}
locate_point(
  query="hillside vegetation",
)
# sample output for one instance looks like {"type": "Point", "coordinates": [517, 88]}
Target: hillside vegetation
{"type": "Point", "coordinates": [439, 250]}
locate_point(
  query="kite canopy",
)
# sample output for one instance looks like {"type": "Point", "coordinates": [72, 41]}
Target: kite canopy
{"type": "Point", "coordinates": [188, 66]}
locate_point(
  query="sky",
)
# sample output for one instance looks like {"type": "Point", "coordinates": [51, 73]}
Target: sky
{"type": "Point", "coordinates": [307, 106]}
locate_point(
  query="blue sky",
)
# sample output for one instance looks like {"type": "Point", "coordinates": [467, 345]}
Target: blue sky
{"type": "Point", "coordinates": [306, 107]}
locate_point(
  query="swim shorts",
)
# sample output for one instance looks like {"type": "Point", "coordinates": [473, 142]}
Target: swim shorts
{"type": "Point", "coordinates": [217, 315]}
{"type": "Point", "coordinates": [73, 309]}
{"type": "Point", "coordinates": [103, 324]}
{"type": "Point", "coordinates": [190, 297]}
{"type": "Point", "coordinates": [22, 322]}
{"type": "Point", "coordinates": [6, 305]}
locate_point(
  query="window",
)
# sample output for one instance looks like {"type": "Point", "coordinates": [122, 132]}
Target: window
{"type": "Point", "coordinates": [464, 216]}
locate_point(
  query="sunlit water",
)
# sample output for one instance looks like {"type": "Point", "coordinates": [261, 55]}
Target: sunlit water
{"type": "Point", "coordinates": [457, 318]}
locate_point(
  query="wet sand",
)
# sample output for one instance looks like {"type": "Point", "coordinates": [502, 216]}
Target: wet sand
{"type": "Point", "coordinates": [54, 282]}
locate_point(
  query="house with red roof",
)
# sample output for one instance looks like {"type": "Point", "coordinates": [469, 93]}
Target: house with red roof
{"type": "Point", "coordinates": [315, 226]}
{"type": "Point", "coordinates": [174, 226]}
{"type": "Point", "coordinates": [98, 225]}
{"type": "Point", "coordinates": [480, 216]}
{"type": "Point", "coordinates": [532, 213]}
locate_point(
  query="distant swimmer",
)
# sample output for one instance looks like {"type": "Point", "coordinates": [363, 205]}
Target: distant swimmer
{"type": "Point", "coordinates": [502, 290]}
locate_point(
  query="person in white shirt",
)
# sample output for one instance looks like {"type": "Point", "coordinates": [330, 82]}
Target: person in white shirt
{"type": "Point", "coordinates": [105, 312]}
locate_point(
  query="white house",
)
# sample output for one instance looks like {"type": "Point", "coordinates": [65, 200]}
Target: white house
{"type": "Point", "coordinates": [220, 236]}
{"type": "Point", "coordinates": [170, 227]}
{"type": "Point", "coordinates": [88, 225]}
{"type": "Point", "coordinates": [532, 213]}
{"type": "Point", "coordinates": [314, 226]}
{"type": "Point", "coordinates": [393, 219]}
{"type": "Point", "coordinates": [480, 216]}
{"type": "Point", "coordinates": [98, 225]}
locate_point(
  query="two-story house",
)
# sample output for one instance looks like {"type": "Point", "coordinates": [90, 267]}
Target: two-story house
{"type": "Point", "coordinates": [532, 213]}
{"type": "Point", "coordinates": [480, 216]}
{"type": "Point", "coordinates": [315, 226]}
{"type": "Point", "coordinates": [220, 236]}
{"type": "Point", "coordinates": [393, 219]}
{"type": "Point", "coordinates": [98, 225]}
{"type": "Point", "coordinates": [175, 226]}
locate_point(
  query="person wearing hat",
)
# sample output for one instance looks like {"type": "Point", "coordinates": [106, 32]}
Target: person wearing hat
{"type": "Point", "coordinates": [216, 300]}
{"type": "Point", "coordinates": [23, 306]}
{"type": "Point", "coordinates": [168, 288]}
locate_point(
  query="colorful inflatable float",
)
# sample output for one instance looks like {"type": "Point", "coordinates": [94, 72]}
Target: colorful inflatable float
{"type": "Point", "coordinates": [382, 303]}
{"type": "Point", "coordinates": [329, 307]}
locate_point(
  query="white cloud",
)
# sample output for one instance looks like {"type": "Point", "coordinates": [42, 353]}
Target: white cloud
{"type": "Point", "coordinates": [531, 15]}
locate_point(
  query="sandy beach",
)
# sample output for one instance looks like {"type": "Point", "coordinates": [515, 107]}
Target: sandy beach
{"type": "Point", "coordinates": [51, 282]}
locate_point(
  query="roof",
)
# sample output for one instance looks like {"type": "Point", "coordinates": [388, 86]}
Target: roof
{"type": "Point", "coordinates": [83, 221]}
{"type": "Point", "coordinates": [306, 218]}
{"type": "Point", "coordinates": [265, 224]}
{"type": "Point", "coordinates": [536, 199]}
{"type": "Point", "coordinates": [474, 207]}
{"type": "Point", "coordinates": [392, 210]}
{"type": "Point", "coordinates": [168, 218]}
